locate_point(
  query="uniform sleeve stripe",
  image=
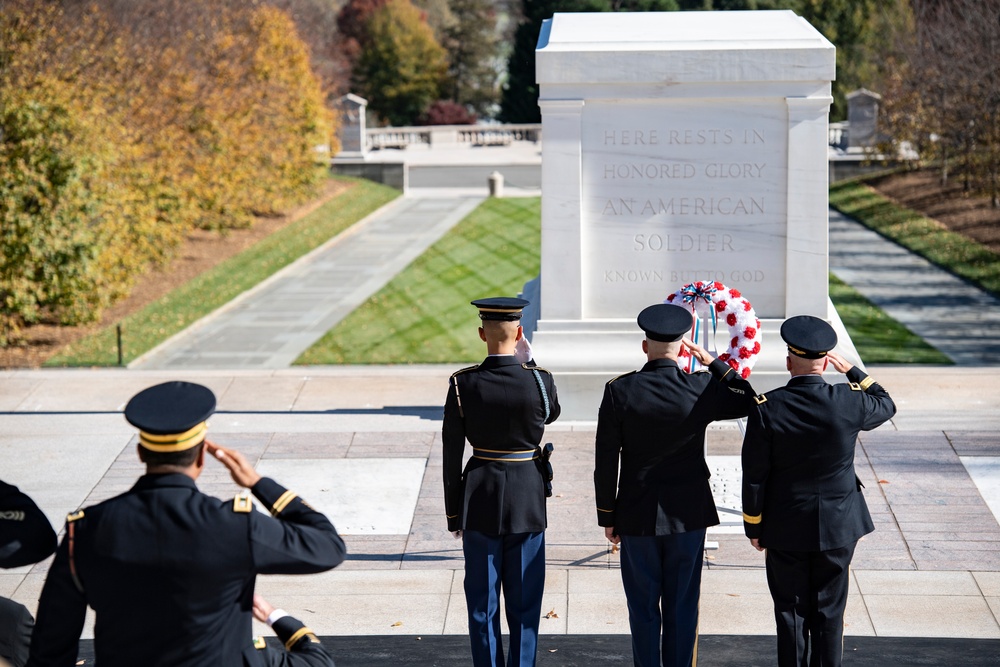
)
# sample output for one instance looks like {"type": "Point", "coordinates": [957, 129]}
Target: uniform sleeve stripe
{"type": "Point", "coordinates": [867, 382]}
{"type": "Point", "coordinates": [600, 510]}
{"type": "Point", "coordinates": [299, 634]}
{"type": "Point", "coordinates": [282, 501]}
{"type": "Point", "coordinates": [754, 520]}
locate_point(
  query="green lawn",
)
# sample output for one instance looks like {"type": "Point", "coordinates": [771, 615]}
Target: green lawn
{"type": "Point", "coordinates": [879, 338]}
{"type": "Point", "coordinates": [423, 315]}
{"type": "Point", "coordinates": [924, 236]}
{"type": "Point", "coordinates": [177, 310]}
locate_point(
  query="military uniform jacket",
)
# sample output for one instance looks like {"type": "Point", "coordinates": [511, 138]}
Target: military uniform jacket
{"type": "Point", "coordinates": [26, 536]}
{"type": "Point", "coordinates": [303, 648]}
{"type": "Point", "coordinates": [170, 573]}
{"type": "Point", "coordinates": [498, 407]}
{"type": "Point", "coordinates": [800, 490]}
{"type": "Point", "coordinates": [653, 421]}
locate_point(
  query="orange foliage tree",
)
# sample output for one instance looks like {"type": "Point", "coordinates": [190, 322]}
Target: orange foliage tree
{"type": "Point", "coordinates": [120, 131]}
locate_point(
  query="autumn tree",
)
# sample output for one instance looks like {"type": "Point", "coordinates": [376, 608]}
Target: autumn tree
{"type": "Point", "coordinates": [401, 66]}
{"type": "Point", "coordinates": [943, 89]}
{"type": "Point", "coordinates": [121, 130]}
{"type": "Point", "coordinates": [352, 24]}
{"type": "Point", "coordinates": [473, 46]}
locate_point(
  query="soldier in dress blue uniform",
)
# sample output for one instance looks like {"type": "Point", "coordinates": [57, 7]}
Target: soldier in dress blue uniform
{"type": "Point", "coordinates": [802, 500]}
{"type": "Point", "coordinates": [497, 504]}
{"type": "Point", "coordinates": [26, 537]}
{"type": "Point", "coordinates": [168, 570]}
{"type": "Point", "coordinates": [658, 506]}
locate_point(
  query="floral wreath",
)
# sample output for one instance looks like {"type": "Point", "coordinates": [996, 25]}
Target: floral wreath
{"type": "Point", "coordinates": [706, 297]}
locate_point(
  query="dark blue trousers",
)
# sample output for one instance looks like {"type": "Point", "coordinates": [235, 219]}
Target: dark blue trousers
{"type": "Point", "coordinates": [515, 563]}
{"type": "Point", "coordinates": [809, 589]}
{"type": "Point", "coordinates": [662, 580]}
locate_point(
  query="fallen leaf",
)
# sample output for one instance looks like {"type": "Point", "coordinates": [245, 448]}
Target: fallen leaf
{"type": "Point", "coordinates": [707, 557]}
{"type": "Point", "coordinates": [883, 481]}
{"type": "Point", "coordinates": [553, 650]}
{"type": "Point", "coordinates": [552, 614]}
{"type": "Point", "coordinates": [733, 595]}
{"type": "Point", "coordinates": [396, 624]}
{"type": "Point", "coordinates": [615, 549]}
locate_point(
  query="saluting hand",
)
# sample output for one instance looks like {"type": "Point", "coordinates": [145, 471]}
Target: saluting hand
{"type": "Point", "coordinates": [241, 470]}
{"type": "Point", "coordinates": [261, 608]}
{"type": "Point", "coordinates": [842, 365]}
{"type": "Point", "coordinates": [698, 352]}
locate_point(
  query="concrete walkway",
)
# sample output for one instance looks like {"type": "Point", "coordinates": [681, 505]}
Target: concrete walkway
{"type": "Point", "coordinates": [270, 325]}
{"type": "Point", "coordinates": [362, 444]}
{"type": "Point", "coordinates": [957, 318]}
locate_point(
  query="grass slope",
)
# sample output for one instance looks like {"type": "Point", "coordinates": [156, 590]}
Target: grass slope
{"type": "Point", "coordinates": [423, 315]}
{"type": "Point", "coordinates": [924, 236]}
{"type": "Point", "coordinates": [144, 330]}
{"type": "Point", "coordinates": [879, 338]}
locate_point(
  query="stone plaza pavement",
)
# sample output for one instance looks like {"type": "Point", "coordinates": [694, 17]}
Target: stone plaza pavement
{"type": "Point", "coordinates": [363, 445]}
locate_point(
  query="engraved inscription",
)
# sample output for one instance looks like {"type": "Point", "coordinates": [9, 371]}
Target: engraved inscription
{"type": "Point", "coordinates": [684, 206]}
{"type": "Point", "coordinates": [633, 276]}
{"type": "Point", "coordinates": [631, 138]}
{"type": "Point", "coordinates": [683, 242]}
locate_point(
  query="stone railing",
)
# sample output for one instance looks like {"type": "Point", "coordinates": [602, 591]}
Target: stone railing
{"type": "Point", "coordinates": [838, 133]}
{"type": "Point", "coordinates": [437, 135]}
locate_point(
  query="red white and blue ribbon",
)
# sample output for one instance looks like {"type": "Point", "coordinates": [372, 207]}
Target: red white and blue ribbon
{"type": "Point", "coordinates": [713, 299]}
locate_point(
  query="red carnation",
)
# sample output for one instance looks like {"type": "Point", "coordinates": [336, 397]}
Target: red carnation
{"type": "Point", "coordinates": [719, 285]}
{"type": "Point", "coordinates": [724, 356]}
{"type": "Point", "coordinates": [735, 293]}
{"type": "Point", "coordinates": [745, 373]}
{"type": "Point", "coordinates": [734, 342]}
{"type": "Point", "coordinates": [720, 306]}
{"type": "Point", "coordinates": [733, 364]}
{"type": "Point", "coordinates": [745, 353]}
{"type": "Point", "coordinates": [749, 332]}
{"type": "Point", "coordinates": [756, 348]}
{"type": "Point", "coordinates": [671, 297]}
{"type": "Point", "coordinates": [758, 324]}
{"type": "Point", "coordinates": [731, 319]}
{"type": "Point", "coordinates": [746, 305]}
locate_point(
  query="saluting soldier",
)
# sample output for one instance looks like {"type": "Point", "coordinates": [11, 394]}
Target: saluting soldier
{"type": "Point", "coordinates": [659, 503]}
{"type": "Point", "coordinates": [802, 499]}
{"type": "Point", "coordinates": [26, 537]}
{"type": "Point", "coordinates": [301, 647]}
{"type": "Point", "coordinates": [497, 504]}
{"type": "Point", "coordinates": [169, 570]}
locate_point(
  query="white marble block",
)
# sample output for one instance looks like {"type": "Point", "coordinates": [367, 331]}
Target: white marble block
{"type": "Point", "coordinates": [678, 147]}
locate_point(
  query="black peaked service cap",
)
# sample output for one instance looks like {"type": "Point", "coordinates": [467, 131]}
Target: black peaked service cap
{"type": "Point", "coordinates": [808, 337]}
{"type": "Point", "coordinates": [665, 322]}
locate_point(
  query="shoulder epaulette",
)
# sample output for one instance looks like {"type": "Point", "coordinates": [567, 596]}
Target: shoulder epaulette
{"type": "Point", "coordinates": [867, 382]}
{"type": "Point", "coordinates": [535, 368]}
{"type": "Point", "coordinates": [259, 643]}
{"type": "Point", "coordinates": [760, 399]}
{"type": "Point", "coordinates": [465, 370]}
{"type": "Point", "coordinates": [622, 375]}
{"type": "Point", "coordinates": [75, 516]}
{"type": "Point", "coordinates": [242, 503]}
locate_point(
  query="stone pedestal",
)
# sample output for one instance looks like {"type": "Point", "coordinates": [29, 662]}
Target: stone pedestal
{"type": "Point", "coordinates": [678, 147]}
